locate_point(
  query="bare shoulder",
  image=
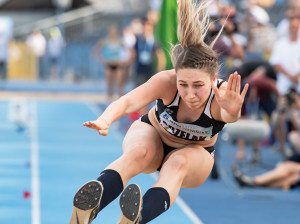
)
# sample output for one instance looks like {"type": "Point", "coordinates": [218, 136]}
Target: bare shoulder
{"type": "Point", "coordinates": [165, 82]}
{"type": "Point", "coordinates": [168, 76]}
{"type": "Point", "coordinates": [164, 79]}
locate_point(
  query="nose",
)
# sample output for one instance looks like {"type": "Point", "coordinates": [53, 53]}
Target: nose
{"type": "Point", "coordinates": [191, 93]}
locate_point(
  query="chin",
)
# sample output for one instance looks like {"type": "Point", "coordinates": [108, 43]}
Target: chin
{"type": "Point", "coordinates": [194, 105]}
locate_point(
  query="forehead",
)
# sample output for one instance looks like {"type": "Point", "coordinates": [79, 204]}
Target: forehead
{"type": "Point", "coordinates": [192, 75]}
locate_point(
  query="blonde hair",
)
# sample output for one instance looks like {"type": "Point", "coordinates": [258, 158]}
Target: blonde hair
{"type": "Point", "coordinates": [193, 25]}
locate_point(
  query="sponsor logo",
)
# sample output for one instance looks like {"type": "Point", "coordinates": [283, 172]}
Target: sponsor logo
{"type": "Point", "coordinates": [185, 131]}
{"type": "Point", "coordinates": [101, 174]}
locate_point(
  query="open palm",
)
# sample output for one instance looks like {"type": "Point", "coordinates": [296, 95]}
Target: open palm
{"type": "Point", "coordinates": [101, 127]}
{"type": "Point", "coordinates": [232, 100]}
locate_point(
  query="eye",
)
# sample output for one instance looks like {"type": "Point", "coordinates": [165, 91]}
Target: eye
{"type": "Point", "coordinates": [198, 86]}
{"type": "Point", "coordinates": [184, 85]}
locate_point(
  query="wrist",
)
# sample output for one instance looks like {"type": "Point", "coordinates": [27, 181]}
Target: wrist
{"type": "Point", "coordinates": [104, 121]}
{"type": "Point", "coordinates": [229, 118]}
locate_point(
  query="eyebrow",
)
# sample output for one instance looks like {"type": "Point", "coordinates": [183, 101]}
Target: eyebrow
{"type": "Point", "coordinates": [199, 81]}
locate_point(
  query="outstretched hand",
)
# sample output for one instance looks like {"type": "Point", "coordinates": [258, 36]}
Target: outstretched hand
{"type": "Point", "coordinates": [101, 127]}
{"type": "Point", "coordinates": [232, 100]}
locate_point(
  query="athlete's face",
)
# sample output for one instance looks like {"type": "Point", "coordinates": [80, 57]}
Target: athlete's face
{"type": "Point", "coordinates": [194, 86]}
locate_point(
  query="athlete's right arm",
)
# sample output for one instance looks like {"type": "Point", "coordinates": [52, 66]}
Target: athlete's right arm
{"type": "Point", "coordinates": [157, 87]}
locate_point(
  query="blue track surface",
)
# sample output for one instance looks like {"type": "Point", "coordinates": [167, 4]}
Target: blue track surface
{"type": "Point", "coordinates": [70, 154]}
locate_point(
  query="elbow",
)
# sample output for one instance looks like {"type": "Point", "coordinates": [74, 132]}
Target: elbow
{"type": "Point", "coordinates": [124, 102]}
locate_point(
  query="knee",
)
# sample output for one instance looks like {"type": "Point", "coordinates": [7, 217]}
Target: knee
{"type": "Point", "coordinates": [137, 153]}
{"type": "Point", "coordinates": [178, 163]}
{"type": "Point", "coordinates": [283, 168]}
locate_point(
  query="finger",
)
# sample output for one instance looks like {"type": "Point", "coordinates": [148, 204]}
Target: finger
{"type": "Point", "coordinates": [87, 123]}
{"type": "Point", "coordinates": [238, 84]}
{"type": "Point", "coordinates": [229, 83]}
{"type": "Point", "coordinates": [234, 81]}
{"type": "Point", "coordinates": [243, 94]}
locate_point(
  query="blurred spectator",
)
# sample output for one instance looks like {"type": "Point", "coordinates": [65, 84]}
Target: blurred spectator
{"type": "Point", "coordinates": [5, 35]}
{"type": "Point", "coordinates": [283, 26]}
{"type": "Point", "coordinates": [37, 42]}
{"type": "Point", "coordinates": [129, 41]}
{"type": "Point", "coordinates": [56, 45]}
{"type": "Point", "coordinates": [136, 26]}
{"type": "Point", "coordinates": [229, 44]}
{"type": "Point", "coordinates": [153, 16]}
{"type": "Point", "coordinates": [215, 9]}
{"type": "Point", "coordinates": [286, 174]}
{"type": "Point", "coordinates": [261, 99]}
{"type": "Point", "coordinates": [260, 32]}
{"type": "Point", "coordinates": [261, 77]}
{"type": "Point", "coordinates": [147, 50]}
{"type": "Point", "coordinates": [285, 57]}
{"type": "Point", "coordinates": [112, 53]}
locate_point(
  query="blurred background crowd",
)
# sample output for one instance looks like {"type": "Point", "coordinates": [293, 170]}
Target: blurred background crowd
{"type": "Point", "coordinates": [122, 43]}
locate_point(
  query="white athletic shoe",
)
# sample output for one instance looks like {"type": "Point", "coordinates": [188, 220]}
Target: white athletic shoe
{"type": "Point", "coordinates": [86, 203]}
{"type": "Point", "coordinates": [131, 202]}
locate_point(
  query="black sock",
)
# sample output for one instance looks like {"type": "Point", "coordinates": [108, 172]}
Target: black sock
{"type": "Point", "coordinates": [112, 186]}
{"type": "Point", "coordinates": [155, 202]}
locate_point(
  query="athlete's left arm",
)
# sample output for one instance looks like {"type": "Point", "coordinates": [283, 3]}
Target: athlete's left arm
{"type": "Point", "coordinates": [230, 99]}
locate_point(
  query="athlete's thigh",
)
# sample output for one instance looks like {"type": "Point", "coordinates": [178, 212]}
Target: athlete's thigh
{"type": "Point", "coordinates": [199, 165]}
{"type": "Point", "coordinates": [142, 136]}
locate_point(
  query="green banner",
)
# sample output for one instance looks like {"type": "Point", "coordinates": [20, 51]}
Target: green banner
{"type": "Point", "coordinates": [166, 29]}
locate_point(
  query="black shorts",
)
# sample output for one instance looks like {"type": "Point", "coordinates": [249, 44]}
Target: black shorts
{"type": "Point", "coordinates": [294, 158]}
{"type": "Point", "coordinates": [167, 148]}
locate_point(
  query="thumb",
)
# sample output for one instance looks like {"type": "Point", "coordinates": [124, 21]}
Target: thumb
{"type": "Point", "coordinates": [216, 91]}
{"type": "Point", "coordinates": [103, 132]}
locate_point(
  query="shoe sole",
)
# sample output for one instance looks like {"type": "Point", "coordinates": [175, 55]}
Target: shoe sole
{"type": "Point", "coordinates": [86, 202]}
{"type": "Point", "coordinates": [130, 204]}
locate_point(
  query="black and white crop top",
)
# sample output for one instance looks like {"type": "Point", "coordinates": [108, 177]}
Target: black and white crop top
{"type": "Point", "coordinates": [203, 129]}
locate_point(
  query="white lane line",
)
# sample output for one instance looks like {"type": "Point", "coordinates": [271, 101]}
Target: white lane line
{"type": "Point", "coordinates": [179, 201]}
{"type": "Point", "coordinates": [35, 176]}
{"type": "Point", "coordinates": [188, 211]}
